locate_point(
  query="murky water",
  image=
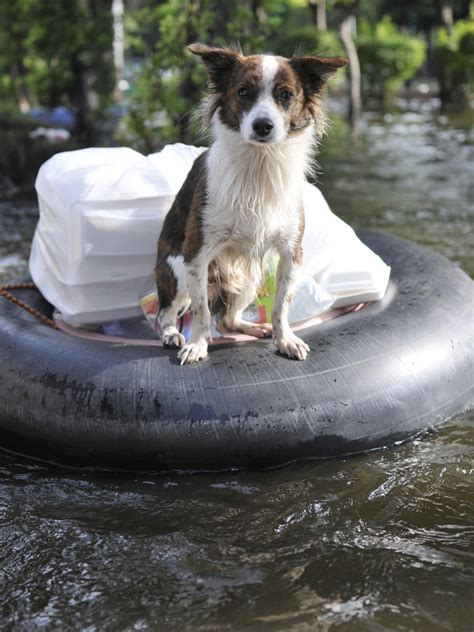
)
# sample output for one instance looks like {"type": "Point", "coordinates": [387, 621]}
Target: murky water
{"type": "Point", "coordinates": [383, 541]}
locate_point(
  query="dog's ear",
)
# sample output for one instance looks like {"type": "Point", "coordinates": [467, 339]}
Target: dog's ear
{"type": "Point", "coordinates": [313, 71]}
{"type": "Point", "coordinates": [219, 62]}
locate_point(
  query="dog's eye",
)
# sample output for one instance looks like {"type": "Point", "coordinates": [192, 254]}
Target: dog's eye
{"type": "Point", "coordinates": [242, 92]}
{"type": "Point", "coordinates": [286, 95]}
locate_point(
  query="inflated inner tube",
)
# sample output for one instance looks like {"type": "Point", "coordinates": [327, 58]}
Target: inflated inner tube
{"type": "Point", "coordinates": [372, 378]}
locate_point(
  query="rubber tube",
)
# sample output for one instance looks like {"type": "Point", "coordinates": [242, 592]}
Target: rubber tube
{"type": "Point", "coordinates": [372, 378]}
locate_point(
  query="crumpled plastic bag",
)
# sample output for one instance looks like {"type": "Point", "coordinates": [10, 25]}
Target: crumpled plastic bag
{"type": "Point", "coordinates": [101, 212]}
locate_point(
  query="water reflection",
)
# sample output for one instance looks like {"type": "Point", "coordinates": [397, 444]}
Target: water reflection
{"type": "Point", "coordinates": [381, 541]}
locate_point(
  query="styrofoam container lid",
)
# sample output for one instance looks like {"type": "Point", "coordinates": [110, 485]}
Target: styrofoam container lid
{"type": "Point", "coordinates": [366, 275]}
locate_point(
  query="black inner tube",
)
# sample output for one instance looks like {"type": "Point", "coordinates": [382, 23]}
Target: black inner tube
{"type": "Point", "coordinates": [374, 377]}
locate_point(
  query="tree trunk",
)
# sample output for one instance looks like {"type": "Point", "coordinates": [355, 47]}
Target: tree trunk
{"type": "Point", "coordinates": [259, 11]}
{"type": "Point", "coordinates": [318, 10]}
{"type": "Point", "coordinates": [119, 46]}
{"type": "Point", "coordinates": [188, 90]}
{"type": "Point", "coordinates": [18, 74]}
{"type": "Point", "coordinates": [346, 31]}
{"type": "Point", "coordinates": [81, 98]}
{"type": "Point", "coordinates": [446, 11]}
{"type": "Point", "coordinates": [190, 93]}
{"type": "Point", "coordinates": [321, 16]}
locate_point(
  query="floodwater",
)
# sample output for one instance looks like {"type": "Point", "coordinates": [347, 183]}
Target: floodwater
{"type": "Point", "coordinates": [383, 541]}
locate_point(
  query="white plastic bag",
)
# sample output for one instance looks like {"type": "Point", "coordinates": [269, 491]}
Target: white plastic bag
{"type": "Point", "coordinates": [338, 269]}
{"type": "Point", "coordinates": [101, 212]}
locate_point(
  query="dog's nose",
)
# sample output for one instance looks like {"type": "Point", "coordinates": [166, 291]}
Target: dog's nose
{"type": "Point", "coordinates": [262, 127]}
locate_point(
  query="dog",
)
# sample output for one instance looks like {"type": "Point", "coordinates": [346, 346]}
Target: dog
{"type": "Point", "coordinates": [242, 197]}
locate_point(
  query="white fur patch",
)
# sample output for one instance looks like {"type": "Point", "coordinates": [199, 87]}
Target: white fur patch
{"type": "Point", "coordinates": [256, 183]}
{"type": "Point", "coordinates": [265, 106]}
{"type": "Point", "coordinates": [179, 270]}
{"type": "Point", "coordinates": [269, 69]}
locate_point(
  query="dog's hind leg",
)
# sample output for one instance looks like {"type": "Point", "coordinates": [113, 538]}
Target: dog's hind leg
{"type": "Point", "coordinates": [232, 319]}
{"type": "Point", "coordinates": [173, 298]}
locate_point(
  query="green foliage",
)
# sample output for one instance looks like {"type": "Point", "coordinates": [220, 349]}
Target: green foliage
{"type": "Point", "coordinates": [298, 33]}
{"type": "Point", "coordinates": [307, 39]}
{"type": "Point", "coordinates": [388, 56]}
{"type": "Point", "coordinates": [45, 45]}
{"type": "Point", "coordinates": [454, 56]}
{"type": "Point", "coordinates": [171, 80]}
{"type": "Point", "coordinates": [59, 52]}
{"type": "Point", "coordinates": [14, 25]}
{"type": "Point", "coordinates": [422, 15]}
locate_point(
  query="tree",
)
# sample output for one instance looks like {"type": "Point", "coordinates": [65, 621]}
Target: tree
{"type": "Point", "coordinates": [318, 9]}
{"type": "Point", "coordinates": [422, 15]}
{"type": "Point", "coordinates": [347, 31]}
{"type": "Point", "coordinates": [446, 11]}
{"type": "Point", "coordinates": [389, 56]}
{"type": "Point", "coordinates": [15, 24]}
{"type": "Point", "coordinates": [454, 59]}
{"type": "Point", "coordinates": [118, 45]}
{"type": "Point", "coordinates": [58, 52]}
{"type": "Point", "coordinates": [171, 81]}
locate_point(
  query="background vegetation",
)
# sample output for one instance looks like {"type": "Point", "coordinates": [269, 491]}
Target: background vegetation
{"type": "Point", "coordinates": [118, 69]}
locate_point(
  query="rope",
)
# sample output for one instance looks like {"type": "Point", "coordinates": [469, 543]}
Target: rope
{"type": "Point", "coordinates": [4, 291]}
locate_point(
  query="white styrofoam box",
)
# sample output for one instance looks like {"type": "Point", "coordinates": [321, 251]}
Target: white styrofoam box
{"type": "Point", "coordinates": [102, 206]}
{"type": "Point", "coordinates": [89, 303]}
{"type": "Point", "coordinates": [101, 212]}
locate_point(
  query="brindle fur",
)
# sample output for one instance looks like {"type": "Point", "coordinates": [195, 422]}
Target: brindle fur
{"type": "Point", "coordinates": [304, 76]}
{"type": "Point", "coordinates": [182, 232]}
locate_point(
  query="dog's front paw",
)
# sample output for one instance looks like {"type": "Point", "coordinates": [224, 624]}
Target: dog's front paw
{"type": "Point", "coordinates": [193, 352]}
{"type": "Point", "coordinates": [172, 338]}
{"type": "Point", "coordinates": [292, 346]}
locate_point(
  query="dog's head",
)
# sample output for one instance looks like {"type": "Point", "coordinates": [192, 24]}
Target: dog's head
{"type": "Point", "coordinates": [264, 97]}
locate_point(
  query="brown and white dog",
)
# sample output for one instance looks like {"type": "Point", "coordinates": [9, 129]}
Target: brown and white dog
{"type": "Point", "coordinates": [242, 197]}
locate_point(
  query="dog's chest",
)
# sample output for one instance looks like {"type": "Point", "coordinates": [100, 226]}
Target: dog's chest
{"type": "Point", "coordinates": [243, 229]}
{"type": "Point", "coordinates": [252, 211]}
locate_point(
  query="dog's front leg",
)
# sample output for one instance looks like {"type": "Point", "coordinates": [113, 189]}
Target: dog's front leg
{"type": "Point", "coordinates": [286, 341]}
{"type": "Point", "coordinates": [197, 280]}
